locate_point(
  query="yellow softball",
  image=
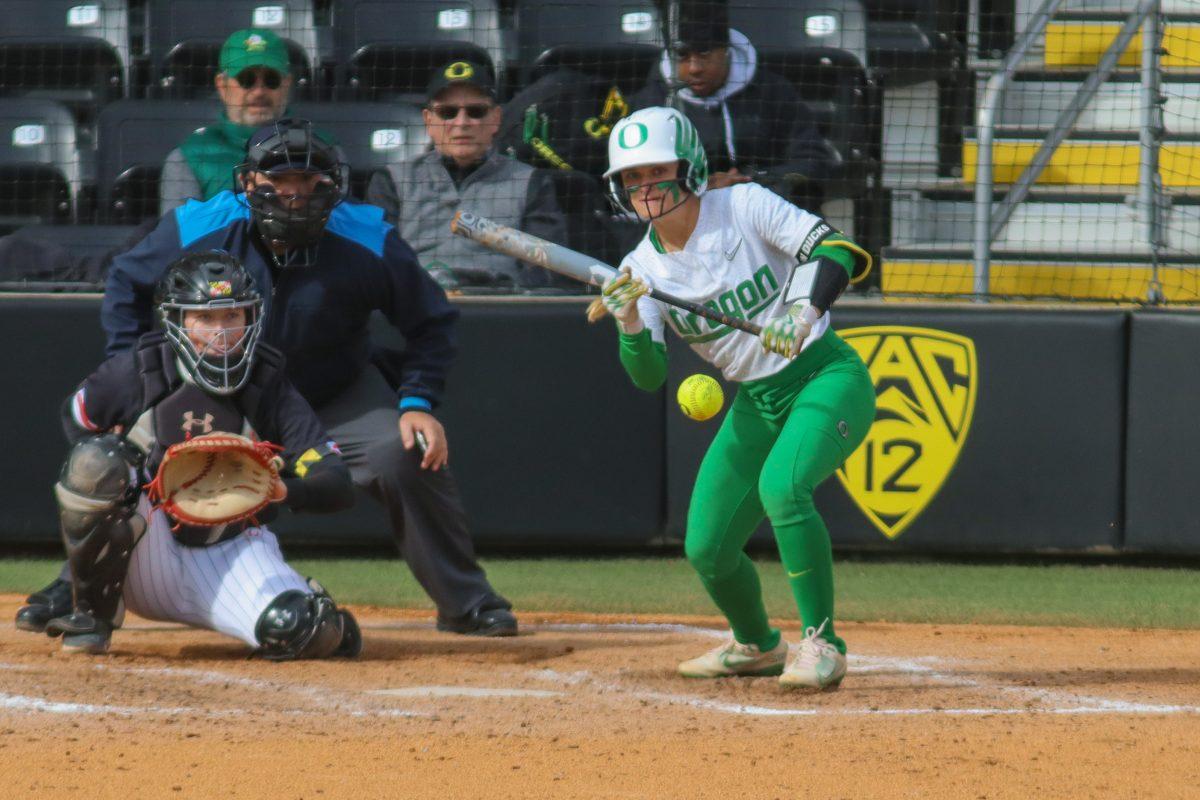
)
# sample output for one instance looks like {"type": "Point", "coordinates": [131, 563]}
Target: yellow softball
{"type": "Point", "coordinates": [700, 397]}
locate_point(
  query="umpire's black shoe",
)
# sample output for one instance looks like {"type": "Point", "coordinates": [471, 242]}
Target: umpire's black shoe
{"type": "Point", "coordinates": [481, 622]}
{"type": "Point", "coordinates": [44, 605]}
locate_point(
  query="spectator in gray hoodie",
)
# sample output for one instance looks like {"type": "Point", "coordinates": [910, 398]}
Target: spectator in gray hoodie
{"type": "Point", "coordinates": [753, 123]}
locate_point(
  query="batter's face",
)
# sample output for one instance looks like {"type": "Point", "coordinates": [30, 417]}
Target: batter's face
{"type": "Point", "coordinates": [653, 190]}
{"type": "Point", "coordinates": [704, 71]}
{"type": "Point", "coordinates": [215, 331]}
{"type": "Point", "coordinates": [466, 136]}
{"type": "Point", "coordinates": [249, 98]}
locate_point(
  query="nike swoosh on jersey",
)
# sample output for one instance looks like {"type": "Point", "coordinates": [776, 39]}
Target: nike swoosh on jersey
{"type": "Point", "coordinates": [799, 574]}
{"type": "Point", "coordinates": [731, 252]}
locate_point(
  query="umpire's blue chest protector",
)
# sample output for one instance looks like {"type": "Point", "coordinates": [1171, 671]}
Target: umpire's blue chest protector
{"type": "Point", "coordinates": [316, 315]}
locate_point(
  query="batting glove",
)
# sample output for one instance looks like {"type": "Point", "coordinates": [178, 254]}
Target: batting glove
{"type": "Point", "coordinates": [785, 335]}
{"type": "Point", "coordinates": [619, 296]}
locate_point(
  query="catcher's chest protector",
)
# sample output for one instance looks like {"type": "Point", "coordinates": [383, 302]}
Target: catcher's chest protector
{"type": "Point", "coordinates": [186, 412]}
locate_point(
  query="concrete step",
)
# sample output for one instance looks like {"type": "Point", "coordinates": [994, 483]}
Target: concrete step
{"type": "Point", "coordinates": [1108, 158]}
{"type": "Point", "coordinates": [929, 273]}
{"type": "Point", "coordinates": [1036, 98]}
{"type": "Point", "coordinates": [1026, 8]}
{"type": "Point", "coordinates": [1081, 43]}
{"type": "Point", "coordinates": [1064, 222]}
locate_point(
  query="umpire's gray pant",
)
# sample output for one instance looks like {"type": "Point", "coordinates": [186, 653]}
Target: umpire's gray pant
{"type": "Point", "coordinates": [424, 507]}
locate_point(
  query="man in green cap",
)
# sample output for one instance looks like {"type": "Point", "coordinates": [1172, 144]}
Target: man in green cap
{"type": "Point", "coordinates": [253, 83]}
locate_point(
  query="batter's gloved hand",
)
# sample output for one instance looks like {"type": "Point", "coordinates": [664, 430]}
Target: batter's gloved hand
{"type": "Point", "coordinates": [619, 296]}
{"type": "Point", "coordinates": [785, 334]}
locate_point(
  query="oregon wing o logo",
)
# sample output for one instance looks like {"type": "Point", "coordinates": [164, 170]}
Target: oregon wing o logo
{"type": "Point", "coordinates": [925, 385]}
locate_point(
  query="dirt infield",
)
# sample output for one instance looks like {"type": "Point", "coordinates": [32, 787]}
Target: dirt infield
{"type": "Point", "coordinates": [583, 706]}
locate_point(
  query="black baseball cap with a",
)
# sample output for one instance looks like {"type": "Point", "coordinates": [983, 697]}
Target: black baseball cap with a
{"type": "Point", "coordinates": [461, 73]}
{"type": "Point", "coordinates": [703, 25]}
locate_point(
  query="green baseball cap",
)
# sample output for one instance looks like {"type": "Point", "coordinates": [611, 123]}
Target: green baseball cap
{"type": "Point", "coordinates": [253, 47]}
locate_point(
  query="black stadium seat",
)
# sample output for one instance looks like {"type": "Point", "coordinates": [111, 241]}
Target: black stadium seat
{"type": "Point", "coordinates": [134, 137]}
{"type": "Point", "coordinates": [618, 41]}
{"type": "Point", "coordinates": [65, 50]}
{"type": "Point", "coordinates": [822, 51]}
{"type": "Point", "coordinates": [389, 48]}
{"type": "Point", "coordinates": [184, 39]}
{"type": "Point", "coordinates": [372, 136]}
{"type": "Point", "coordinates": [40, 169]}
{"type": "Point", "coordinates": [910, 41]}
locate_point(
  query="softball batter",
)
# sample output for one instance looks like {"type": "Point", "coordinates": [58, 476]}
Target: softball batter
{"type": "Point", "coordinates": [805, 400]}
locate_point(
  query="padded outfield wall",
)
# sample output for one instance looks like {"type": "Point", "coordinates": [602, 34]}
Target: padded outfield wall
{"type": "Point", "coordinates": [999, 429]}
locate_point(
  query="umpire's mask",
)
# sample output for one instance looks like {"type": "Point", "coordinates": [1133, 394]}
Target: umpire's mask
{"type": "Point", "coordinates": [297, 180]}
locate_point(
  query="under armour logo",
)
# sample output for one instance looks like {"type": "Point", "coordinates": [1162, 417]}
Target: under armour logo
{"type": "Point", "coordinates": [190, 421]}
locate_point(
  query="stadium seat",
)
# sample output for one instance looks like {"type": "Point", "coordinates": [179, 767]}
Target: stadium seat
{"type": "Point", "coordinates": [389, 48]}
{"type": "Point", "coordinates": [620, 42]}
{"type": "Point", "coordinates": [372, 136]}
{"type": "Point", "coordinates": [134, 137]}
{"type": "Point", "coordinates": [822, 52]}
{"type": "Point", "coordinates": [787, 26]}
{"type": "Point", "coordinates": [40, 169]}
{"type": "Point", "coordinates": [588, 215]}
{"type": "Point", "coordinates": [57, 254]}
{"type": "Point", "coordinates": [184, 39]}
{"type": "Point", "coordinates": [909, 41]}
{"type": "Point", "coordinates": [64, 50]}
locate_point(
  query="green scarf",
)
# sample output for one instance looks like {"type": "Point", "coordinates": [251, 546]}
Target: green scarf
{"type": "Point", "coordinates": [213, 151]}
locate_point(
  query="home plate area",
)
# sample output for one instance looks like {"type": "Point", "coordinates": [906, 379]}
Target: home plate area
{"type": "Point", "coordinates": [590, 706]}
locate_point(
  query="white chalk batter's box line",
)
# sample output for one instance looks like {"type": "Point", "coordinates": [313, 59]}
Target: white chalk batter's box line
{"type": "Point", "coordinates": [360, 703]}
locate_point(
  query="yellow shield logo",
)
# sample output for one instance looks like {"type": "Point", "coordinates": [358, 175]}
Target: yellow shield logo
{"type": "Point", "coordinates": [925, 385]}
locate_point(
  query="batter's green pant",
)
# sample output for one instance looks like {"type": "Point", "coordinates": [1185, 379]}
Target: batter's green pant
{"type": "Point", "coordinates": [782, 436]}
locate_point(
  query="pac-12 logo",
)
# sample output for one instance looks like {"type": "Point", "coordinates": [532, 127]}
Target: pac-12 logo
{"type": "Point", "coordinates": [925, 385]}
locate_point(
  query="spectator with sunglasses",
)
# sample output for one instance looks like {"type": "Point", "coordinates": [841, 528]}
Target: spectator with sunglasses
{"type": "Point", "coordinates": [253, 84]}
{"type": "Point", "coordinates": [464, 170]}
{"type": "Point", "coordinates": [752, 122]}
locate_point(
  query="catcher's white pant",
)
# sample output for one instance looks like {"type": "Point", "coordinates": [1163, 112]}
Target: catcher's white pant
{"type": "Point", "coordinates": [224, 587]}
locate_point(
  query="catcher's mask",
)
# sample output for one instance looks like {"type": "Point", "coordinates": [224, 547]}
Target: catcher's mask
{"type": "Point", "coordinates": [209, 281]}
{"type": "Point", "coordinates": [291, 224]}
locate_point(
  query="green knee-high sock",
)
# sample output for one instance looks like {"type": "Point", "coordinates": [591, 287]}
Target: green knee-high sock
{"type": "Point", "coordinates": [739, 596]}
{"type": "Point", "coordinates": [808, 558]}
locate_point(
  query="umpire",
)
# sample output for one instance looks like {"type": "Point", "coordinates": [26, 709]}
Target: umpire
{"type": "Point", "coordinates": [325, 263]}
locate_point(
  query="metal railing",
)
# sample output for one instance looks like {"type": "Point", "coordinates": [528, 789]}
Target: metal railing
{"type": "Point", "coordinates": [989, 221]}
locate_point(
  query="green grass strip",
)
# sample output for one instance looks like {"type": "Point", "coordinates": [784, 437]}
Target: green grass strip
{"type": "Point", "coordinates": [1091, 596]}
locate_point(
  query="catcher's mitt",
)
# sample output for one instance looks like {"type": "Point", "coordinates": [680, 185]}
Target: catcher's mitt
{"type": "Point", "coordinates": [216, 478]}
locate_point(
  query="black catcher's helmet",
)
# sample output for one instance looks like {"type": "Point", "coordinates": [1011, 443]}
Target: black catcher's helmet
{"type": "Point", "coordinates": [206, 280]}
{"type": "Point", "coordinates": [292, 222]}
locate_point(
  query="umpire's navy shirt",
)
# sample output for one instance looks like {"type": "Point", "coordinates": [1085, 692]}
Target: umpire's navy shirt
{"type": "Point", "coordinates": [316, 315]}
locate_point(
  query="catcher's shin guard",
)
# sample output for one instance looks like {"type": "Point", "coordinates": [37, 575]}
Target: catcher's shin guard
{"type": "Point", "coordinates": [96, 496]}
{"type": "Point", "coordinates": [301, 625]}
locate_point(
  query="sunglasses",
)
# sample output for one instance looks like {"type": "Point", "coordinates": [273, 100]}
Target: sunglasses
{"type": "Point", "coordinates": [249, 78]}
{"type": "Point", "coordinates": [474, 110]}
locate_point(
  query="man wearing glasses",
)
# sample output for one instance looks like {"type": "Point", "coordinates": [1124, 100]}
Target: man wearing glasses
{"type": "Point", "coordinates": [253, 84]}
{"type": "Point", "coordinates": [464, 170]}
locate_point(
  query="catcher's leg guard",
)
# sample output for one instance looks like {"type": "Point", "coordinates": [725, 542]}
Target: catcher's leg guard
{"type": "Point", "coordinates": [301, 625]}
{"type": "Point", "coordinates": [96, 496]}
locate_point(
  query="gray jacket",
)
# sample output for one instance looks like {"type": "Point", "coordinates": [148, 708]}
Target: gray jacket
{"type": "Point", "coordinates": [178, 183]}
{"type": "Point", "coordinates": [419, 197]}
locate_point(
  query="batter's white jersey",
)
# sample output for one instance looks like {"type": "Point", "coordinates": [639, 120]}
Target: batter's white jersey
{"type": "Point", "coordinates": [737, 261]}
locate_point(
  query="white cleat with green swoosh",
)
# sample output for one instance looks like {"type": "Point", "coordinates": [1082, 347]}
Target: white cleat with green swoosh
{"type": "Point", "coordinates": [734, 659]}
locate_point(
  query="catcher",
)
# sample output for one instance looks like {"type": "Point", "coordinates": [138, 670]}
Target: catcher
{"type": "Point", "coordinates": [195, 399]}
